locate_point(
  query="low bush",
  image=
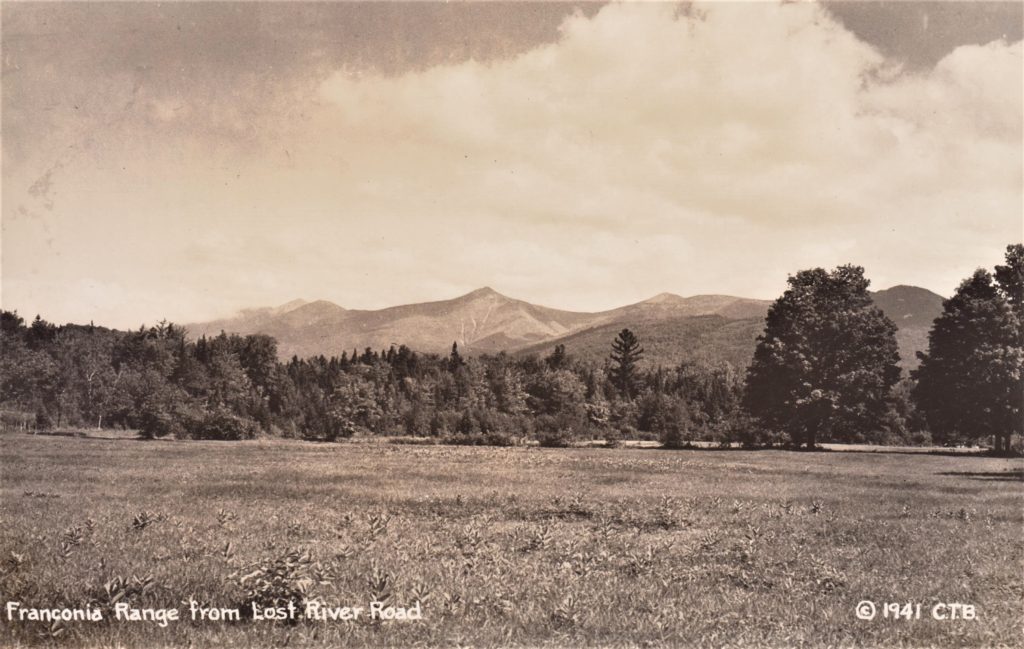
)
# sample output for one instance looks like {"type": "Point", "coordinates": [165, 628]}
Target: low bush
{"type": "Point", "coordinates": [414, 441]}
{"type": "Point", "coordinates": [556, 431]}
{"type": "Point", "coordinates": [555, 438]}
{"type": "Point", "coordinates": [482, 439]}
{"type": "Point", "coordinates": [443, 422]}
{"type": "Point", "coordinates": [612, 437]}
{"type": "Point", "coordinates": [222, 424]}
{"type": "Point", "coordinates": [43, 420]}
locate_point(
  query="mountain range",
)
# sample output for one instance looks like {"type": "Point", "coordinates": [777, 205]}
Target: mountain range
{"type": "Point", "coordinates": [671, 328]}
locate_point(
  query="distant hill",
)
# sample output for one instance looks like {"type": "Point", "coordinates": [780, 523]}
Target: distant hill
{"type": "Point", "coordinates": [483, 321]}
{"type": "Point", "coordinates": [667, 342]}
{"type": "Point", "coordinates": [913, 310]}
{"type": "Point", "coordinates": [909, 306]}
{"type": "Point", "coordinates": [671, 328]}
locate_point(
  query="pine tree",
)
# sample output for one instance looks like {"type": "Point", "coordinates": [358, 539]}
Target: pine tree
{"type": "Point", "coordinates": [455, 359]}
{"type": "Point", "coordinates": [558, 359]}
{"type": "Point", "coordinates": [969, 383]}
{"type": "Point", "coordinates": [626, 353]}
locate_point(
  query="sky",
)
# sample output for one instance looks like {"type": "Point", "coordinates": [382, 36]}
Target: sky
{"type": "Point", "coordinates": [182, 161]}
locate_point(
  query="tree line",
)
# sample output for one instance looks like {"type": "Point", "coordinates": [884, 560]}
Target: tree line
{"type": "Point", "coordinates": [229, 386]}
{"type": "Point", "coordinates": [825, 370]}
{"type": "Point", "coordinates": [826, 365]}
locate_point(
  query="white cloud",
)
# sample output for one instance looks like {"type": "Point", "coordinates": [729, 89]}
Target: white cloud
{"type": "Point", "coordinates": [733, 115]}
{"type": "Point", "coordinates": [648, 149]}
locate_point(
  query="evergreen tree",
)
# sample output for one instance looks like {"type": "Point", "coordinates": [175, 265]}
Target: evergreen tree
{"type": "Point", "coordinates": [626, 353]}
{"type": "Point", "coordinates": [827, 359]}
{"type": "Point", "coordinates": [969, 383]}
{"type": "Point", "coordinates": [558, 359]}
{"type": "Point", "coordinates": [455, 359]}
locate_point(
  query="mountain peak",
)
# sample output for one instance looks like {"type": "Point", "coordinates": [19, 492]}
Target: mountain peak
{"type": "Point", "coordinates": [906, 290]}
{"type": "Point", "coordinates": [290, 306]}
{"type": "Point", "coordinates": [321, 307]}
{"type": "Point", "coordinates": [909, 305]}
{"type": "Point", "coordinates": [485, 321]}
{"type": "Point", "coordinates": [664, 298]}
{"type": "Point", "coordinates": [323, 304]}
{"type": "Point", "coordinates": [485, 291]}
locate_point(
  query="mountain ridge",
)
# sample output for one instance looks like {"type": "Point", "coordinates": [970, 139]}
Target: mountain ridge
{"type": "Point", "coordinates": [486, 321]}
{"type": "Point", "coordinates": [481, 321]}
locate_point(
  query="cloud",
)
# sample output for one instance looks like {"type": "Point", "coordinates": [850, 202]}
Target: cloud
{"type": "Point", "coordinates": [730, 115]}
{"type": "Point", "coordinates": [714, 148]}
{"type": "Point", "coordinates": [974, 91]}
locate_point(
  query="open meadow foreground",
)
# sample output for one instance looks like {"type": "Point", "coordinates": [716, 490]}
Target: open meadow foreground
{"type": "Point", "coordinates": [504, 546]}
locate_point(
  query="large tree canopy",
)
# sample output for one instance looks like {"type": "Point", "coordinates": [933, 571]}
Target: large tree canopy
{"type": "Point", "coordinates": [969, 384]}
{"type": "Point", "coordinates": [827, 359]}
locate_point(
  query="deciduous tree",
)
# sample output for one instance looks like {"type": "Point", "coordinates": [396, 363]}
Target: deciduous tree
{"type": "Point", "coordinates": [1010, 278]}
{"type": "Point", "coordinates": [827, 359]}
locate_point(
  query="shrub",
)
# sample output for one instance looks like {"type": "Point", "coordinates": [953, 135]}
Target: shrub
{"type": "Point", "coordinates": [43, 420]}
{"type": "Point", "coordinates": [520, 424]}
{"type": "Point", "coordinates": [487, 420]}
{"type": "Point", "coordinates": [555, 431]}
{"type": "Point", "coordinates": [1016, 445]}
{"type": "Point", "coordinates": [623, 414]}
{"type": "Point", "coordinates": [668, 419]}
{"type": "Point", "coordinates": [222, 424]}
{"type": "Point", "coordinates": [338, 424]}
{"type": "Point", "coordinates": [627, 431]}
{"type": "Point", "coordinates": [675, 434]}
{"type": "Point", "coordinates": [749, 432]}
{"type": "Point", "coordinates": [443, 422]}
{"type": "Point", "coordinates": [598, 412]}
{"type": "Point", "coordinates": [482, 439]}
{"type": "Point", "coordinates": [494, 421]}
{"type": "Point", "coordinates": [17, 420]}
{"type": "Point", "coordinates": [920, 438]}
{"type": "Point", "coordinates": [157, 421]}
{"type": "Point", "coordinates": [467, 424]}
{"type": "Point", "coordinates": [555, 438]}
{"type": "Point", "coordinates": [413, 441]}
{"type": "Point", "coordinates": [721, 432]}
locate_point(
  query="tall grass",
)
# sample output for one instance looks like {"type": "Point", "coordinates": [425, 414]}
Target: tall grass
{"type": "Point", "coordinates": [508, 546]}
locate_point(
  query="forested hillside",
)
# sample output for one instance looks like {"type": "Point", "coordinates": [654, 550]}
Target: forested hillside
{"type": "Point", "coordinates": [670, 341]}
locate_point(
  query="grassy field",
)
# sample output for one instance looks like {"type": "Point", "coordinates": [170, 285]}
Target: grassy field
{"type": "Point", "coordinates": [518, 546]}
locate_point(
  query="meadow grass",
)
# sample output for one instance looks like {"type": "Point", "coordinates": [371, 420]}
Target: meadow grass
{"type": "Point", "coordinates": [509, 546]}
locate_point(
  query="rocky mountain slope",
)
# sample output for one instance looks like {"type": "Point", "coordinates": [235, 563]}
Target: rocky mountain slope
{"type": "Point", "coordinates": [483, 321]}
{"type": "Point", "coordinates": [672, 328]}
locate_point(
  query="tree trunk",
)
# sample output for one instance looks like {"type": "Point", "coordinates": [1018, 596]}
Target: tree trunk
{"type": "Point", "coordinates": [1000, 444]}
